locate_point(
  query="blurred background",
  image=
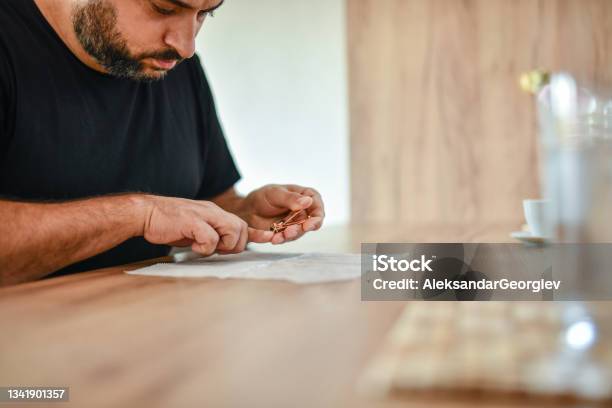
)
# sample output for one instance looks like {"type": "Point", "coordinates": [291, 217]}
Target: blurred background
{"type": "Point", "coordinates": [278, 70]}
{"type": "Point", "coordinates": [401, 112]}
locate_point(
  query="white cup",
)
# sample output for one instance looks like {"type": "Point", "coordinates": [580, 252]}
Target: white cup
{"type": "Point", "coordinates": [537, 215]}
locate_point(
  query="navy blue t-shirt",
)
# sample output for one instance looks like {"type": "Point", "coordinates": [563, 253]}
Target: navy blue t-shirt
{"type": "Point", "coordinates": [69, 132]}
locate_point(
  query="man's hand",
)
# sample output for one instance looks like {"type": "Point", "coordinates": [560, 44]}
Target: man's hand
{"type": "Point", "coordinates": [200, 224]}
{"type": "Point", "coordinates": [270, 203]}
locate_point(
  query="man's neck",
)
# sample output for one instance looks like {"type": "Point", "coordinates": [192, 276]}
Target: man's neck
{"type": "Point", "coordinates": [58, 14]}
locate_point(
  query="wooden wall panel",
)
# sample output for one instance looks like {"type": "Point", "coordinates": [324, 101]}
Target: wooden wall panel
{"type": "Point", "coordinates": [440, 131]}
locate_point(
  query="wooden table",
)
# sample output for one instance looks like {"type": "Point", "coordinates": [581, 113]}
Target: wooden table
{"type": "Point", "coordinates": [134, 341]}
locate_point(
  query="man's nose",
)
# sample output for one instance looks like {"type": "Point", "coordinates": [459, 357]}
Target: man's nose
{"type": "Point", "coordinates": [182, 39]}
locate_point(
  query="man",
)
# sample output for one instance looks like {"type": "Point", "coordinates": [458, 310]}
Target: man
{"type": "Point", "coordinates": [110, 146]}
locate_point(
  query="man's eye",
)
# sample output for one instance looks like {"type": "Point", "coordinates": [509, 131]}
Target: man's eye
{"type": "Point", "coordinates": [163, 11]}
{"type": "Point", "coordinates": [203, 14]}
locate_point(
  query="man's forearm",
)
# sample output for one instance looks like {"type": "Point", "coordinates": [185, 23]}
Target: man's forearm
{"type": "Point", "coordinates": [37, 239]}
{"type": "Point", "coordinates": [232, 202]}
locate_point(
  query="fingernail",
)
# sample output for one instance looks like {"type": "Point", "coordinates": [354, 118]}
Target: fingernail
{"type": "Point", "coordinates": [304, 200]}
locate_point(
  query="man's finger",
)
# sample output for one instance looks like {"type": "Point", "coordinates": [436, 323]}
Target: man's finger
{"type": "Point", "coordinates": [280, 197]}
{"type": "Point", "coordinates": [317, 209]}
{"type": "Point", "coordinates": [205, 239]}
{"type": "Point", "coordinates": [260, 236]}
{"type": "Point", "coordinates": [313, 224]}
{"type": "Point", "coordinates": [229, 235]}
{"type": "Point", "coordinates": [242, 241]}
{"type": "Point", "coordinates": [293, 232]}
{"type": "Point", "coordinates": [278, 238]}
{"type": "Point", "coordinates": [182, 243]}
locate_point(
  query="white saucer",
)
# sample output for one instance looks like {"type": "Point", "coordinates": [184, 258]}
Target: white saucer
{"type": "Point", "coordinates": [527, 238]}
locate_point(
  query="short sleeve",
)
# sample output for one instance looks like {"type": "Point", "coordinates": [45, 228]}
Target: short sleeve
{"type": "Point", "coordinates": [220, 171]}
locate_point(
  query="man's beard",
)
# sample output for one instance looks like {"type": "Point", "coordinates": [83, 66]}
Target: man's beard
{"type": "Point", "coordinates": [95, 25]}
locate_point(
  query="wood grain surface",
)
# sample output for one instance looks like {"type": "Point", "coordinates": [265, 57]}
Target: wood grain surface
{"type": "Point", "coordinates": [440, 131]}
{"type": "Point", "coordinates": [134, 341]}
